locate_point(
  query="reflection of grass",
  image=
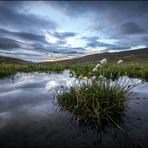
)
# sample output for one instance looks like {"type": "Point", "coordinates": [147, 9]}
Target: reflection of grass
{"type": "Point", "coordinates": [7, 70]}
{"type": "Point", "coordinates": [97, 99]}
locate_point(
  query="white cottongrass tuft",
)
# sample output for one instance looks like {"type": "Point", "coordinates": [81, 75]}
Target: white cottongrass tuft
{"type": "Point", "coordinates": [101, 77]}
{"type": "Point", "coordinates": [103, 61]}
{"type": "Point", "coordinates": [98, 65]}
{"type": "Point", "coordinates": [95, 69]}
{"type": "Point", "coordinates": [104, 78]}
{"type": "Point", "coordinates": [120, 61]}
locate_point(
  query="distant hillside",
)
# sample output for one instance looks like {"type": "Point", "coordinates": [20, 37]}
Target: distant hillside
{"type": "Point", "coordinates": [4, 59]}
{"type": "Point", "coordinates": [139, 56]}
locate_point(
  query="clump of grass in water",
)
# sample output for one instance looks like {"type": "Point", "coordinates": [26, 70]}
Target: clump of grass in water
{"type": "Point", "coordinates": [96, 100]}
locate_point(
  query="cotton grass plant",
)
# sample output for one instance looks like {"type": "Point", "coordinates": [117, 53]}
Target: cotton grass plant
{"type": "Point", "coordinates": [96, 99]}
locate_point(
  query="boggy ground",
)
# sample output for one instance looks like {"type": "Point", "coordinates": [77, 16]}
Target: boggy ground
{"type": "Point", "coordinates": [135, 71]}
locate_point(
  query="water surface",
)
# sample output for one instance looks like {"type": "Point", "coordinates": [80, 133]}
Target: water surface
{"type": "Point", "coordinates": [29, 116]}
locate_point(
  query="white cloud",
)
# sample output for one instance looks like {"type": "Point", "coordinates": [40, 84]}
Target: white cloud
{"type": "Point", "coordinates": [51, 39]}
{"type": "Point", "coordinates": [94, 50]}
{"type": "Point", "coordinates": [138, 47]}
{"type": "Point", "coordinates": [76, 42]}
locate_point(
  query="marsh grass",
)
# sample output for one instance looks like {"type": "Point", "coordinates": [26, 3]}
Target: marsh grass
{"type": "Point", "coordinates": [111, 71]}
{"type": "Point", "coordinates": [8, 70]}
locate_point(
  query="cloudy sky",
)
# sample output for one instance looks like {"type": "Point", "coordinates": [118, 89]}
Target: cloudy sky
{"type": "Point", "coordinates": [40, 31]}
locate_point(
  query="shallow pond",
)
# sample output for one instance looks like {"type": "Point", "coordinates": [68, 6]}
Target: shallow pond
{"type": "Point", "coordinates": [29, 116]}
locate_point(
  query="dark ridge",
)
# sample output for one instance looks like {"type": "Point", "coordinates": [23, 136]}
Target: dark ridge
{"type": "Point", "coordinates": [10, 60]}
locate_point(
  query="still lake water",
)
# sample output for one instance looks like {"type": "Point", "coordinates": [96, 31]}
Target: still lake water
{"type": "Point", "coordinates": [29, 116]}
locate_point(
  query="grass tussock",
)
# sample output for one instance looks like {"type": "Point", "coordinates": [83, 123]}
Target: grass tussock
{"type": "Point", "coordinates": [97, 99]}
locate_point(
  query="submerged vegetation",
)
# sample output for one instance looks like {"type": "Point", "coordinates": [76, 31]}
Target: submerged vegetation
{"type": "Point", "coordinates": [97, 98]}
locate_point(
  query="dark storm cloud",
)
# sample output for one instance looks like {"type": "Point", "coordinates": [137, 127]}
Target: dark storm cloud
{"type": "Point", "coordinates": [24, 35]}
{"type": "Point", "coordinates": [56, 48]}
{"type": "Point", "coordinates": [75, 8]}
{"type": "Point", "coordinates": [132, 28]}
{"type": "Point", "coordinates": [62, 35]}
{"type": "Point", "coordinates": [107, 46]}
{"type": "Point", "coordinates": [30, 36]}
{"type": "Point", "coordinates": [78, 50]}
{"type": "Point", "coordinates": [38, 46]}
{"type": "Point", "coordinates": [98, 44]}
{"type": "Point", "coordinates": [94, 42]}
{"type": "Point", "coordinates": [124, 21]}
{"type": "Point", "coordinates": [7, 44]}
{"type": "Point", "coordinates": [65, 50]}
{"type": "Point", "coordinates": [122, 15]}
{"type": "Point", "coordinates": [11, 17]}
{"type": "Point", "coordinates": [114, 19]}
{"type": "Point", "coordinates": [145, 39]}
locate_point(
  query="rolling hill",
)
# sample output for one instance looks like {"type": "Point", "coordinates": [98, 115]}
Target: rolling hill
{"type": "Point", "coordinates": [11, 60]}
{"type": "Point", "coordinates": [139, 56]}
